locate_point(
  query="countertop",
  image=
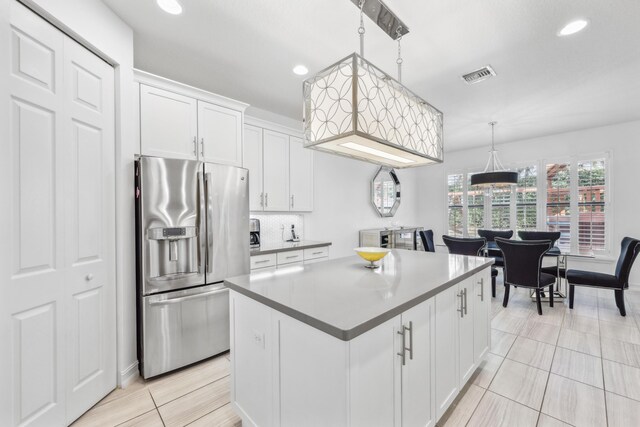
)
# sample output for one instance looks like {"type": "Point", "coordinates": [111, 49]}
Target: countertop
{"type": "Point", "coordinates": [288, 246]}
{"type": "Point", "coordinates": [344, 299]}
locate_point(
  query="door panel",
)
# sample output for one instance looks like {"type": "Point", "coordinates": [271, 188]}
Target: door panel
{"type": "Point", "coordinates": [276, 171]}
{"type": "Point", "coordinates": [301, 179]}
{"type": "Point", "coordinates": [418, 381]}
{"type": "Point", "coordinates": [252, 160]}
{"type": "Point", "coordinates": [88, 111]}
{"type": "Point", "coordinates": [220, 133]}
{"type": "Point", "coordinates": [227, 222]}
{"type": "Point", "coordinates": [168, 124]}
{"type": "Point", "coordinates": [32, 270]}
{"type": "Point", "coordinates": [34, 358]}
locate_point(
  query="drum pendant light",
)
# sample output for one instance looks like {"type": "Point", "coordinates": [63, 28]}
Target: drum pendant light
{"type": "Point", "coordinates": [494, 175]}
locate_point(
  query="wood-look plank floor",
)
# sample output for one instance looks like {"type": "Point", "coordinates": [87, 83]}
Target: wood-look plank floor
{"type": "Point", "coordinates": [564, 368]}
{"type": "Point", "coordinates": [577, 367]}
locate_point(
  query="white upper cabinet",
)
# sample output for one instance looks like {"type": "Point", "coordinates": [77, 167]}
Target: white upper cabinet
{"type": "Point", "coordinates": [168, 124]}
{"type": "Point", "coordinates": [181, 122]}
{"type": "Point", "coordinates": [275, 171]}
{"type": "Point", "coordinates": [252, 160]}
{"type": "Point", "coordinates": [220, 134]}
{"type": "Point", "coordinates": [301, 175]}
{"type": "Point", "coordinates": [280, 168]}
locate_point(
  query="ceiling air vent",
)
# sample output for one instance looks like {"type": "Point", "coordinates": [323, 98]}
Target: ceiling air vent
{"type": "Point", "coordinates": [479, 75]}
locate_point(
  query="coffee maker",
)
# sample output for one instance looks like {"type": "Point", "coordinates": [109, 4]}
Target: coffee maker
{"type": "Point", "coordinates": [254, 233]}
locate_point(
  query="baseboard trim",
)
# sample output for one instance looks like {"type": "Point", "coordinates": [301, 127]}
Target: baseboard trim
{"type": "Point", "coordinates": [129, 375]}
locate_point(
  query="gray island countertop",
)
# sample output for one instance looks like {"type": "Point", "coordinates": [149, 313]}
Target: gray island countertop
{"type": "Point", "coordinates": [287, 246]}
{"type": "Point", "coordinates": [344, 299]}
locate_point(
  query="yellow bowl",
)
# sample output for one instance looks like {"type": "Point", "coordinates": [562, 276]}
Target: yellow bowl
{"type": "Point", "coordinates": [372, 254]}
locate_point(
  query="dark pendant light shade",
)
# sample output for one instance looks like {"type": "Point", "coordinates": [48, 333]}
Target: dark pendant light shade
{"type": "Point", "coordinates": [494, 178]}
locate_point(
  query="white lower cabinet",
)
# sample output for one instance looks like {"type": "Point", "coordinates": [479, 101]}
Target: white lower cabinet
{"type": "Point", "coordinates": [282, 258]}
{"type": "Point", "coordinates": [463, 335]}
{"type": "Point", "coordinates": [404, 372]}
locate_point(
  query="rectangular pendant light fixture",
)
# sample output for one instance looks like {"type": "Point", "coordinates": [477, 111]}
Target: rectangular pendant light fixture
{"type": "Point", "coordinates": [354, 109]}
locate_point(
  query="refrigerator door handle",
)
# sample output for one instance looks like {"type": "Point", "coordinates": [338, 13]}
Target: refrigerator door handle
{"type": "Point", "coordinates": [188, 297]}
{"type": "Point", "coordinates": [209, 236]}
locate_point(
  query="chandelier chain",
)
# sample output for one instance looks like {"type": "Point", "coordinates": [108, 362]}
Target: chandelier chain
{"type": "Point", "coordinates": [399, 60]}
{"type": "Point", "coordinates": [361, 29]}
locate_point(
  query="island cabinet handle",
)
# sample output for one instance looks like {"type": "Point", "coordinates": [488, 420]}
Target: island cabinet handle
{"type": "Point", "coordinates": [410, 329]}
{"type": "Point", "coordinates": [481, 283]}
{"type": "Point", "coordinates": [465, 301]}
{"type": "Point", "coordinates": [461, 309]}
{"type": "Point", "coordinates": [401, 354]}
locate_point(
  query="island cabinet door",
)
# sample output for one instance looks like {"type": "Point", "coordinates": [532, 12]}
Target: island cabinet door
{"type": "Point", "coordinates": [418, 366]}
{"type": "Point", "coordinates": [481, 310]}
{"type": "Point", "coordinates": [375, 376]}
{"type": "Point", "coordinates": [447, 314]}
{"type": "Point", "coordinates": [466, 292]}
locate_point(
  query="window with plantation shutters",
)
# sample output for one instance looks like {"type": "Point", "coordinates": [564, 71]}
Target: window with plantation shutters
{"type": "Point", "coordinates": [527, 198]}
{"type": "Point", "coordinates": [455, 197]}
{"type": "Point", "coordinates": [558, 207]}
{"type": "Point", "coordinates": [591, 205]}
{"type": "Point", "coordinates": [475, 209]}
{"type": "Point", "coordinates": [501, 208]}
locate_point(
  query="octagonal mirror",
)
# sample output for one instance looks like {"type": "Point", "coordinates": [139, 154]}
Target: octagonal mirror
{"type": "Point", "coordinates": [385, 192]}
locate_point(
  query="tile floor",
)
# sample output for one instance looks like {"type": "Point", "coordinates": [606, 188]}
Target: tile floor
{"type": "Point", "coordinates": [576, 367]}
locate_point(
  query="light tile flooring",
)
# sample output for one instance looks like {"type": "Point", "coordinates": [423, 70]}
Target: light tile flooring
{"type": "Point", "coordinates": [195, 396]}
{"type": "Point", "coordinates": [576, 367]}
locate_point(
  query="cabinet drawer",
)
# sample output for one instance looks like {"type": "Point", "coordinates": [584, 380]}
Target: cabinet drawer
{"type": "Point", "coordinates": [313, 253]}
{"type": "Point", "coordinates": [262, 261]}
{"type": "Point", "coordinates": [289, 257]}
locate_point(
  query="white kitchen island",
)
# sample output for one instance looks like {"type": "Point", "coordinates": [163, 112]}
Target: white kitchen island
{"type": "Point", "coordinates": [337, 344]}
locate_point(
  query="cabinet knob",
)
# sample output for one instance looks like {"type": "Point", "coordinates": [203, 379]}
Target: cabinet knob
{"type": "Point", "coordinates": [89, 277]}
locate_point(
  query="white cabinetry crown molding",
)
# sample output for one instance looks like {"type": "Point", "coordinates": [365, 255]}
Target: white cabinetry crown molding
{"type": "Point", "coordinates": [184, 89]}
{"type": "Point", "coordinates": [265, 124]}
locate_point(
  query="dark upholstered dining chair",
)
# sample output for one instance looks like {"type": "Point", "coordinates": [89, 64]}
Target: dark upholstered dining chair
{"type": "Point", "coordinates": [522, 264]}
{"type": "Point", "coordinates": [427, 240]}
{"type": "Point", "coordinates": [554, 236]}
{"type": "Point", "coordinates": [617, 282]}
{"type": "Point", "coordinates": [472, 247]}
{"type": "Point", "coordinates": [491, 235]}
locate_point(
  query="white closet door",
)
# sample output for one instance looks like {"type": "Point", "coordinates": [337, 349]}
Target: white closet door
{"type": "Point", "coordinates": [60, 161]}
{"type": "Point", "coordinates": [32, 290]}
{"type": "Point", "coordinates": [89, 235]}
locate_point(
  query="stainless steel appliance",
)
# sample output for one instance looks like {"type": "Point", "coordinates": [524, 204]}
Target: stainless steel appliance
{"type": "Point", "coordinates": [254, 233]}
{"type": "Point", "coordinates": [191, 222]}
{"type": "Point", "coordinates": [392, 238]}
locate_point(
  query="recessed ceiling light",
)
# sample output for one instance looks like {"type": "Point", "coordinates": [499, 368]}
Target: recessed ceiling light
{"type": "Point", "coordinates": [170, 6]}
{"type": "Point", "coordinates": [300, 70]}
{"type": "Point", "coordinates": [573, 27]}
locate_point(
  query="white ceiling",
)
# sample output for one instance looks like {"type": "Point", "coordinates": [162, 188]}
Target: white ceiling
{"type": "Point", "coordinates": [245, 49]}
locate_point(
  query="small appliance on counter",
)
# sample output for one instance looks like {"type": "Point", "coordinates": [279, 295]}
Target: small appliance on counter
{"type": "Point", "coordinates": [254, 233]}
{"type": "Point", "coordinates": [293, 237]}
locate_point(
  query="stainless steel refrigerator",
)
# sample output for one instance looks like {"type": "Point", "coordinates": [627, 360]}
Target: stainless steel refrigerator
{"type": "Point", "coordinates": [192, 226]}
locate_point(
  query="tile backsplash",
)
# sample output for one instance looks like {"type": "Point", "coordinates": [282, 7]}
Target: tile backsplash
{"type": "Point", "coordinates": [270, 231]}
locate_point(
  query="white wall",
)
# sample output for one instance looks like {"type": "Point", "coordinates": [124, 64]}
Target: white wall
{"type": "Point", "coordinates": [621, 140]}
{"type": "Point", "coordinates": [94, 25]}
{"type": "Point", "coordinates": [342, 203]}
